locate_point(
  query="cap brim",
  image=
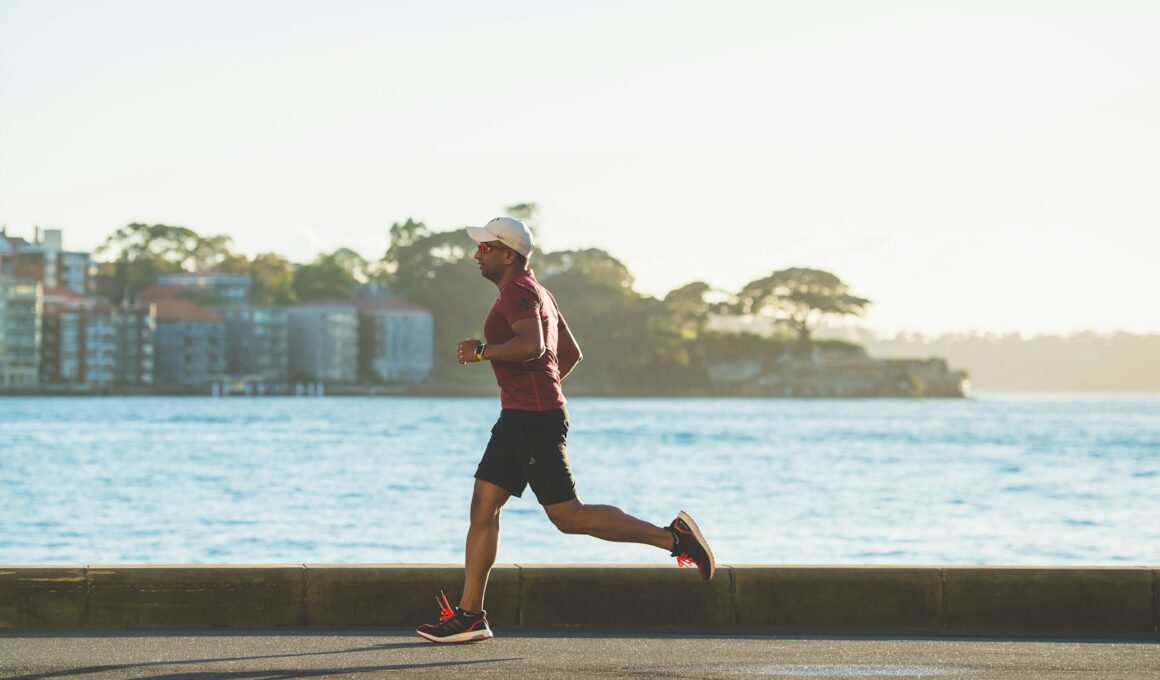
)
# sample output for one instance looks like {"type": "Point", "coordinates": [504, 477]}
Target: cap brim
{"type": "Point", "coordinates": [481, 234]}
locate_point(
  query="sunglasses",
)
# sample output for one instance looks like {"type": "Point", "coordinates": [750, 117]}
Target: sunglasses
{"type": "Point", "coordinates": [486, 247]}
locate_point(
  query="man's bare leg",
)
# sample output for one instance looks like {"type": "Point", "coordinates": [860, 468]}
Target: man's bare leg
{"type": "Point", "coordinates": [482, 542]}
{"type": "Point", "coordinates": [606, 522]}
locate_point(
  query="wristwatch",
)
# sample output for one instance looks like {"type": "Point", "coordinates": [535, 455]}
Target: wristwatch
{"type": "Point", "coordinates": [479, 351]}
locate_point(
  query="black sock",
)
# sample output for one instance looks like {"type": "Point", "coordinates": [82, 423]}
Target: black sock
{"type": "Point", "coordinates": [676, 539]}
{"type": "Point", "coordinates": [471, 615]}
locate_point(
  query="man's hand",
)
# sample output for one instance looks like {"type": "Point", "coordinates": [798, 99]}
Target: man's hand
{"type": "Point", "coordinates": [467, 350]}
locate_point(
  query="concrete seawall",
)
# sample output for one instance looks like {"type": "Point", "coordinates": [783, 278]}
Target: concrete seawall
{"type": "Point", "coordinates": [1099, 602]}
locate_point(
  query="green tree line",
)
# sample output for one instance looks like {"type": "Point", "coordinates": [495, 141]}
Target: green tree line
{"type": "Point", "coordinates": [633, 343]}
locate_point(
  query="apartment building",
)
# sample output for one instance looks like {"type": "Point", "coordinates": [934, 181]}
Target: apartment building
{"type": "Point", "coordinates": [396, 341]}
{"type": "Point", "coordinates": [189, 345]}
{"type": "Point", "coordinates": [136, 328]}
{"type": "Point", "coordinates": [44, 259]}
{"type": "Point", "coordinates": [324, 342]}
{"type": "Point", "coordinates": [229, 288]}
{"type": "Point", "coordinates": [21, 309]}
{"type": "Point", "coordinates": [257, 342]}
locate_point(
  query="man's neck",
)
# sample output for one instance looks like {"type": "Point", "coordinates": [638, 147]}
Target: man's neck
{"type": "Point", "coordinates": [508, 275]}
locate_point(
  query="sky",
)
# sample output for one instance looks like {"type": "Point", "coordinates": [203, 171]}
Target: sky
{"type": "Point", "coordinates": [968, 166]}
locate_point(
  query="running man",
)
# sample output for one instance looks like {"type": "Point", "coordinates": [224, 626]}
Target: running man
{"type": "Point", "coordinates": [531, 350]}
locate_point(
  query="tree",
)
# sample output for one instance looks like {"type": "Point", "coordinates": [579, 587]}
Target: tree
{"type": "Point", "coordinates": [232, 264]}
{"type": "Point", "coordinates": [144, 251]}
{"type": "Point", "coordinates": [593, 265]}
{"type": "Point", "coordinates": [688, 309]}
{"type": "Point", "coordinates": [801, 297]}
{"type": "Point", "coordinates": [625, 347]}
{"type": "Point", "coordinates": [402, 234]}
{"type": "Point", "coordinates": [272, 280]}
{"type": "Point", "coordinates": [436, 271]}
{"type": "Point", "coordinates": [528, 213]}
{"type": "Point", "coordinates": [214, 254]}
{"type": "Point", "coordinates": [627, 340]}
{"type": "Point", "coordinates": [351, 262]}
{"type": "Point", "coordinates": [330, 276]}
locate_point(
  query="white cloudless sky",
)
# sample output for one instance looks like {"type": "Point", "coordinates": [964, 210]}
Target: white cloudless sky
{"type": "Point", "coordinates": [966, 165]}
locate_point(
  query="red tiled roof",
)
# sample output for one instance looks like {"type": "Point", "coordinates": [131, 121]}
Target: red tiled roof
{"type": "Point", "coordinates": [183, 310]}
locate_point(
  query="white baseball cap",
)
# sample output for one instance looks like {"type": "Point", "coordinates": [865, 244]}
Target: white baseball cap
{"type": "Point", "coordinates": [507, 230]}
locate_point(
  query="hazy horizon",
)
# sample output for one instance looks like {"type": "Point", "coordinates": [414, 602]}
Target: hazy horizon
{"type": "Point", "coordinates": [966, 167]}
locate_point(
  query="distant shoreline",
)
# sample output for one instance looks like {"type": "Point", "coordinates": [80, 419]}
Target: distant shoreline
{"type": "Point", "coordinates": [397, 391]}
{"type": "Point", "coordinates": [388, 391]}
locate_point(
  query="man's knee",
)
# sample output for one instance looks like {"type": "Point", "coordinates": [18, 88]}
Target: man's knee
{"type": "Point", "coordinates": [567, 520]}
{"type": "Point", "coordinates": [483, 510]}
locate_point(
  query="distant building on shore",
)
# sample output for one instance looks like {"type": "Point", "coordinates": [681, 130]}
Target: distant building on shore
{"type": "Point", "coordinates": [840, 371]}
{"type": "Point", "coordinates": [44, 259]}
{"type": "Point", "coordinates": [396, 341]}
{"type": "Point", "coordinates": [21, 307]}
{"type": "Point", "coordinates": [90, 343]}
{"type": "Point", "coordinates": [930, 377]}
{"type": "Point", "coordinates": [75, 337]}
{"type": "Point", "coordinates": [78, 340]}
{"type": "Point", "coordinates": [136, 329]}
{"type": "Point", "coordinates": [324, 342]}
{"type": "Point", "coordinates": [190, 345]}
{"type": "Point", "coordinates": [257, 343]}
{"type": "Point", "coordinates": [228, 288]}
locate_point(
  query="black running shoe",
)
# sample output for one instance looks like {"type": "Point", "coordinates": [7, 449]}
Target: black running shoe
{"type": "Point", "coordinates": [455, 625]}
{"type": "Point", "coordinates": [691, 548]}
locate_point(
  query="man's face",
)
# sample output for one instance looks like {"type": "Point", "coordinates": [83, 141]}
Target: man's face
{"type": "Point", "coordinates": [493, 258]}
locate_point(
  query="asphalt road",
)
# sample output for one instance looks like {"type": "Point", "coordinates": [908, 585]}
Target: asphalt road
{"type": "Point", "coordinates": [568, 656]}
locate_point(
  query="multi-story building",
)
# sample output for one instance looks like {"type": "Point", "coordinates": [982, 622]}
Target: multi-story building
{"type": "Point", "coordinates": [44, 259]}
{"type": "Point", "coordinates": [21, 306]}
{"type": "Point", "coordinates": [324, 342]}
{"type": "Point", "coordinates": [396, 341]}
{"type": "Point", "coordinates": [74, 341]}
{"type": "Point", "coordinates": [229, 288]}
{"type": "Point", "coordinates": [189, 345]}
{"type": "Point", "coordinates": [50, 335]}
{"type": "Point", "coordinates": [88, 341]}
{"type": "Point", "coordinates": [100, 337]}
{"type": "Point", "coordinates": [135, 328]}
{"type": "Point", "coordinates": [257, 343]}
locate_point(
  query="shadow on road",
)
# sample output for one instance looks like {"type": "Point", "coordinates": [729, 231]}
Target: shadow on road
{"type": "Point", "coordinates": [304, 673]}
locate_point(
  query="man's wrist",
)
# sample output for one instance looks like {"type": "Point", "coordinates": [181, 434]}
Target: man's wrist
{"type": "Point", "coordinates": [479, 350]}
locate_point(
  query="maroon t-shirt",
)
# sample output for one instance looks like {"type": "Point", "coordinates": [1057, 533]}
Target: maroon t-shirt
{"type": "Point", "coordinates": [532, 385]}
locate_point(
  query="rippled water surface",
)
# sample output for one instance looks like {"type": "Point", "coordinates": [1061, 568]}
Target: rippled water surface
{"type": "Point", "coordinates": [994, 480]}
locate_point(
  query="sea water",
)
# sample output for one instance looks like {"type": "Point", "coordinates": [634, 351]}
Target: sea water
{"type": "Point", "coordinates": [997, 479]}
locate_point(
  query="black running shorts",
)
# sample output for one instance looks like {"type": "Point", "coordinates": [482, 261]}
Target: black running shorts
{"type": "Point", "coordinates": [530, 447]}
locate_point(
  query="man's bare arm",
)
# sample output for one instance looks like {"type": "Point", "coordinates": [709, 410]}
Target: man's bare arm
{"type": "Point", "coordinates": [525, 345]}
{"type": "Point", "coordinates": [567, 352]}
